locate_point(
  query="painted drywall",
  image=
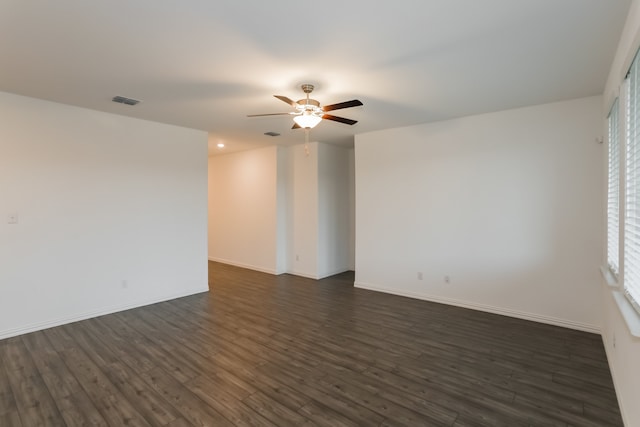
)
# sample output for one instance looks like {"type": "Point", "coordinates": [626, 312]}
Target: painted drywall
{"type": "Point", "coordinates": [283, 209]}
{"type": "Point", "coordinates": [112, 213]}
{"type": "Point", "coordinates": [282, 213]}
{"type": "Point", "coordinates": [506, 205]}
{"type": "Point", "coordinates": [334, 208]}
{"type": "Point", "coordinates": [623, 349]}
{"type": "Point", "coordinates": [243, 208]}
{"type": "Point", "coordinates": [352, 210]}
{"type": "Point", "coordinates": [623, 354]}
{"type": "Point", "coordinates": [304, 221]}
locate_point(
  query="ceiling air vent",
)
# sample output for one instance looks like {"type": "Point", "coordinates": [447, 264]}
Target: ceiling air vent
{"type": "Point", "coordinates": [271, 133]}
{"type": "Point", "coordinates": [122, 100]}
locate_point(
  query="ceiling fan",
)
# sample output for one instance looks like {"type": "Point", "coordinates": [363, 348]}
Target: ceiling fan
{"type": "Point", "coordinates": [308, 112]}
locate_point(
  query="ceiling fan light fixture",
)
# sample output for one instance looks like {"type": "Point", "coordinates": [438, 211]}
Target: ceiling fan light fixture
{"type": "Point", "coordinates": [308, 112]}
{"type": "Point", "coordinates": [307, 120]}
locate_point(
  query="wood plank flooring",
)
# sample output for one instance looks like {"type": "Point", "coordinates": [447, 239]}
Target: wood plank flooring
{"type": "Point", "coordinates": [262, 350]}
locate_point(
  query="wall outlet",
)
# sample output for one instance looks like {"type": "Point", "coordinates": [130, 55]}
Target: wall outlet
{"type": "Point", "coordinates": [447, 279]}
{"type": "Point", "coordinates": [12, 218]}
{"type": "Point", "coordinates": [124, 284]}
{"type": "Point", "coordinates": [419, 275]}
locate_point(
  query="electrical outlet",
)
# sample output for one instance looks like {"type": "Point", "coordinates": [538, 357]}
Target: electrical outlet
{"type": "Point", "coordinates": [447, 279]}
{"type": "Point", "coordinates": [125, 284]}
{"type": "Point", "coordinates": [419, 275]}
{"type": "Point", "coordinates": [12, 218]}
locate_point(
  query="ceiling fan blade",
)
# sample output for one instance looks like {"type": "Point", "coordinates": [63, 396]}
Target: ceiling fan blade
{"type": "Point", "coordinates": [296, 126]}
{"type": "Point", "coordinates": [287, 100]}
{"type": "Point", "coordinates": [339, 119]}
{"type": "Point", "coordinates": [270, 114]}
{"type": "Point", "coordinates": [339, 105]}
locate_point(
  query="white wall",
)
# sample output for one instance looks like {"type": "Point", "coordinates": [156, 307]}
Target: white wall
{"type": "Point", "coordinates": [112, 213]}
{"type": "Point", "coordinates": [304, 222]}
{"type": "Point", "coordinates": [334, 233]}
{"type": "Point", "coordinates": [508, 205]}
{"type": "Point", "coordinates": [319, 208]}
{"type": "Point", "coordinates": [283, 209]}
{"type": "Point", "coordinates": [282, 213]}
{"type": "Point", "coordinates": [623, 354]}
{"type": "Point", "coordinates": [623, 349]}
{"type": "Point", "coordinates": [352, 210]}
{"type": "Point", "coordinates": [243, 208]}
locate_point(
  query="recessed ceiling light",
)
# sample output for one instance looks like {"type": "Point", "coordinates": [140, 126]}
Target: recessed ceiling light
{"type": "Point", "coordinates": [220, 145]}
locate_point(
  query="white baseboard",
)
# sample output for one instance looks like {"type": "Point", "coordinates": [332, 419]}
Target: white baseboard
{"type": "Point", "coordinates": [308, 276]}
{"type": "Point", "coordinates": [94, 313]}
{"type": "Point", "coordinates": [274, 272]}
{"type": "Point", "coordinates": [247, 266]}
{"type": "Point", "coordinates": [487, 308]}
{"type": "Point", "coordinates": [333, 273]}
{"type": "Point", "coordinates": [316, 277]}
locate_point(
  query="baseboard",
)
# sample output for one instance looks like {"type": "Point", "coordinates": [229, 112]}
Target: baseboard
{"type": "Point", "coordinates": [333, 273]}
{"type": "Point", "coordinates": [308, 276]}
{"type": "Point", "coordinates": [316, 277]}
{"type": "Point", "coordinates": [247, 266]}
{"type": "Point", "coordinates": [274, 272]}
{"type": "Point", "coordinates": [95, 313]}
{"type": "Point", "coordinates": [614, 377]}
{"type": "Point", "coordinates": [486, 308]}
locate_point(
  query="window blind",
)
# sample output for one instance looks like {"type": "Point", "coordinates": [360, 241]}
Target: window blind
{"type": "Point", "coordinates": [613, 191]}
{"type": "Point", "coordinates": [631, 246]}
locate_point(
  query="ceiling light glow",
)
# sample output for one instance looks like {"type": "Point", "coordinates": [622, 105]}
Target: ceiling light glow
{"type": "Point", "coordinates": [307, 120]}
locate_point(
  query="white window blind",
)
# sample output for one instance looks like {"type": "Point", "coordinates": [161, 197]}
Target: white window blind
{"type": "Point", "coordinates": [631, 273]}
{"type": "Point", "coordinates": [613, 192]}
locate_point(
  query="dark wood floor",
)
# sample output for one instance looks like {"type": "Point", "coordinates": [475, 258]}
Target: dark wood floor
{"type": "Point", "coordinates": [260, 350]}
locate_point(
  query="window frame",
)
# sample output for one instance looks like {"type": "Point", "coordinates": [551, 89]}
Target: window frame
{"type": "Point", "coordinates": [614, 190]}
{"type": "Point", "coordinates": [630, 181]}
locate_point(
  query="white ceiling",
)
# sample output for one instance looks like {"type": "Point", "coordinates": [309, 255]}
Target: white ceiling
{"type": "Point", "coordinates": [206, 64]}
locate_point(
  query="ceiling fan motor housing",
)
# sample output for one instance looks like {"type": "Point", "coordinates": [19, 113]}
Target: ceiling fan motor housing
{"type": "Point", "coordinates": [308, 105]}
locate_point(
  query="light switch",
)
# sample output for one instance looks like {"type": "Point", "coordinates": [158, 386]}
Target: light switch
{"type": "Point", "coordinates": [12, 218]}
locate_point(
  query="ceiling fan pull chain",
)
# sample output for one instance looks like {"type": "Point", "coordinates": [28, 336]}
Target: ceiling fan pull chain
{"type": "Point", "coordinates": [306, 142]}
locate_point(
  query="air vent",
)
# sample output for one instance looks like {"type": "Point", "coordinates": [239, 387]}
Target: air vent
{"type": "Point", "coordinates": [272, 133]}
{"type": "Point", "coordinates": [122, 100]}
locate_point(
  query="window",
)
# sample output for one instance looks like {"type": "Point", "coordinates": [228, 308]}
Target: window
{"type": "Point", "coordinates": [631, 230]}
{"type": "Point", "coordinates": [613, 192]}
